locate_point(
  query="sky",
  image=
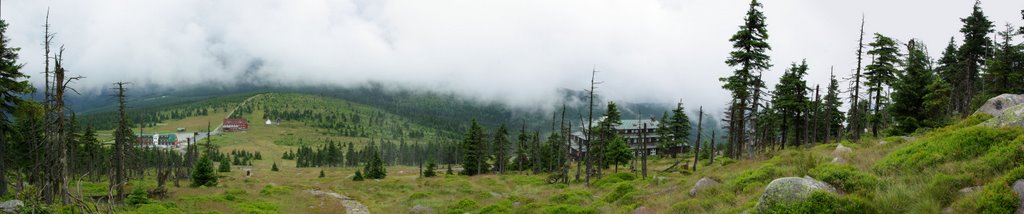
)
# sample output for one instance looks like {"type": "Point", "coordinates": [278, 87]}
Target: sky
{"type": "Point", "coordinates": [515, 51]}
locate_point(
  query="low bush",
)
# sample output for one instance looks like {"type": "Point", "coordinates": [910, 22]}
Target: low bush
{"type": "Point", "coordinates": [943, 187]}
{"type": "Point", "coordinates": [844, 177]}
{"type": "Point", "coordinates": [138, 196]}
{"type": "Point", "coordinates": [464, 206]}
{"type": "Point", "coordinates": [621, 190]}
{"type": "Point", "coordinates": [822, 202]}
{"type": "Point", "coordinates": [611, 180]}
{"type": "Point", "coordinates": [572, 197]}
{"type": "Point", "coordinates": [270, 190]}
{"type": "Point", "coordinates": [568, 209]}
{"type": "Point", "coordinates": [997, 198]}
{"type": "Point", "coordinates": [753, 178]}
{"type": "Point", "coordinates": [946, 146]}
{"type": "Point", "coordinates": [257, 208]}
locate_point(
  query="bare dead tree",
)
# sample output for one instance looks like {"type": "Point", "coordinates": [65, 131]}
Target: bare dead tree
{"type": "Point", "coordinates": [122, 136]}
{"type": "Point", "coordinates": [590, 126]}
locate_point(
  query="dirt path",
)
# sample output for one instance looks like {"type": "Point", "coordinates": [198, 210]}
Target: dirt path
{"type": "Point", "coordinates": [351, 205]}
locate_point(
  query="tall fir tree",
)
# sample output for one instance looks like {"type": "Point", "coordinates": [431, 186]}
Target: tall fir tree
{"type": "Point", "coordinates": [202, 173]}
{"type": "Point", "coordinates": [830, 109]}
{"type": "Point", "coordinates": [501, 144]}
{"type": "Point", "coordinates": [679, 125]}
{"type": "Point", "coordinates": [664, 134]}
{"type": "Point", "coordinates": [1003, 71]}
{"type": "Point", "coordinates": [880, 75]}
{"type": "Point", "coordinates": [976, 49]}
{"type": "Point", "coordinates": [910, 90]}
{"type": "Point", "coordinates": [750, 58]}
{"type": "Point", "coordinates": [473, 160]}
{"type": "Point", "coordinates": [791, 102]}
{"type": "Point", "coordinates": [12, 84]}
{"type": "Point", "coordinates": [617, 152]}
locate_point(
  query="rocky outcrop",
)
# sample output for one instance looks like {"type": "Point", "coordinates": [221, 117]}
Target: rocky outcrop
{"type": "Point", "coordinates": [997, 105]}
{"type": "Point", "coordinates": [702, 184]}
{"type": "Point", "coordinates": [791, 189]}
{"type": "Point", "coordinates": [1006, 110]}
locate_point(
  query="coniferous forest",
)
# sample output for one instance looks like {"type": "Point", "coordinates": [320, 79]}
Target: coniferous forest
{"type": "Point", "coordinates": [900, 129]}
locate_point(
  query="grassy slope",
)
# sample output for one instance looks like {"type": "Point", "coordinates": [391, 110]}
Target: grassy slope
{"type": "Point", "coordinates": [880, 175]}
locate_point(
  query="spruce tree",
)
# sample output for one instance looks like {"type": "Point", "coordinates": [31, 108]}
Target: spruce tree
{"type": "Point", "coordinates": [522, 160]}
{"type": "Point", "coordinates": [431, 168]}
{"type": "Point", "coordinates": [374, 168]}
{"type": "Point", "coordinates": [224, 166]}
{"type": "Point", "coordinates": [834, 118]}
{"type": "Point", "coordinates": [274, 167]}
{"type": "Point", "coordinates": [880, 75]}
{"type": "Point", "coordinates": [617, 152]}
{"type": "Point", "coordinates": [664, 134]}
{"type": "Point", "coordinates": [202, 173]}
{"type": "Point", "coordinates": [12, 84]}
{"type": "Point", "coordinates": [322, 173]}
{"type": "Point", "coordinates": [1002, 74]}
{"type": "Point", "coordinates": [976, 49]}
{"type": "Point", "coordinates": [473, 160]}
{"type": "Point", "coordinates": [909, 96]}
{"type": "Point", "coordinates": [750, 58]}
{"type": "Point", "coordinates": [501, 149]}
{"type": "Point", "coordinates": [791, 101]}
{"type": "Point", "coordinates": [936, 103]}
{"type": "Point", "coordinates": [679, 125]}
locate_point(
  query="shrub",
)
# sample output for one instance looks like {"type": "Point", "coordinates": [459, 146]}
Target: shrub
{"type": "Point", "coordinates": [269, 190]}
{"type": "Point", "coordinates": [496, 208]}
{"type": "Point", "coordinates": [138, 196]}
{"type": "Point", "coordinates": [358, 176]}
{"type": "Point", "coordinates": [998, 198]}
{"type": "Point", "coordinates": [609, 181]}
{"type": "Point", "coordinates": [568, 209]}
{"type": "Point", "coordinates": [464, 206]}
{"type": "Point", "coordinates": [431, 168]}
{"type": "Point", "coordinates": [947, 146]}
{"type": "Point", "coordinates": [846, 178]}
{"type": "Point", "coordinates": [257, 208]}
{"type": "Point", "coordinates": [753, 178]}
{"type": "Point", "coordinates": [943, 187]}
{"type": "Point", "coordinates": [620, 190]}
{"type": "Point", "coordinates": [572, 197]}
{"type": "Point", "coordinates": [224, 166]}
{"type": "Point", "coordinates": [274, 167]}
{"type": "Point", "coordinates": [821, 202]}
{"type": "Point", "coordinates": [709, 202]}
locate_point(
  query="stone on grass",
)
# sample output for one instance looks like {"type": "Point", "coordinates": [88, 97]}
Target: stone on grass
{"type": "Point", "coordinates": [841, 154]}
{"type": "Point", "coordinates": [791, 189]}
{"type": "Point", "coordinates": [11, 206]}
{"type": "Point", "coordinates": [702, 184]}
{"type": "Point", "coordinates": [419, 208]}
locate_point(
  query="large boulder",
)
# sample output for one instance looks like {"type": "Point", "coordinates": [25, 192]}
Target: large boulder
{"type": "Point", "coordinates": [1012, 116]}
{"type": "Point", "coordinates": [997, 105]}
{"type": "Point", "coordinates": [791, 189]}
{"type": "Point", "coordinates": [702, 184]}
{"type": "Point", "coordinates": [11, 206]}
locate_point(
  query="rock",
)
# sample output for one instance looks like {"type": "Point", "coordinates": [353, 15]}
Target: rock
{"type": "Point", "coordinates": [496, 195]}
{"type": "Point", "coordinates": [421, 209]}
{"type": "Point", "coordinates": [967, 190]}
{"type": "Point", "coordinates": [791, 189]}
{"type": "Point", "coordinates": [702, 184]}
{"type": "Point", "coordinates": [999, 104]}
{"type": "Point", "coordinates": [1011, 116]}
{"type": "Point", "coordinates": [841, 154]}
{"type": "Point", "coordinates": [11, 206]}
{"type": "Point", "coordinates": [643, 210]}
{"type": "Point", "coordinates": [1018, 187]}
{"type": "Point", "coordinates": [516, 204]}
{"type": "Point", "coordinates": [882, 142]}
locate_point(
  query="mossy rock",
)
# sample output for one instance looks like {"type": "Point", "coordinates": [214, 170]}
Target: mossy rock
{"type": "Point", "coordinates": [791, 190]}
{"type": "Point", "coordinates": [1012, 116]}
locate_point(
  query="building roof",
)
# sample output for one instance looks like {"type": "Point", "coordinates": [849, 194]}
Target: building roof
{"type": "Point", "coordinates": [235, 121]}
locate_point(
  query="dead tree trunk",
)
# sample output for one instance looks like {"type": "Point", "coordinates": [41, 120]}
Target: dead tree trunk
{"type": "Point", "coordinates": [700, 129]}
